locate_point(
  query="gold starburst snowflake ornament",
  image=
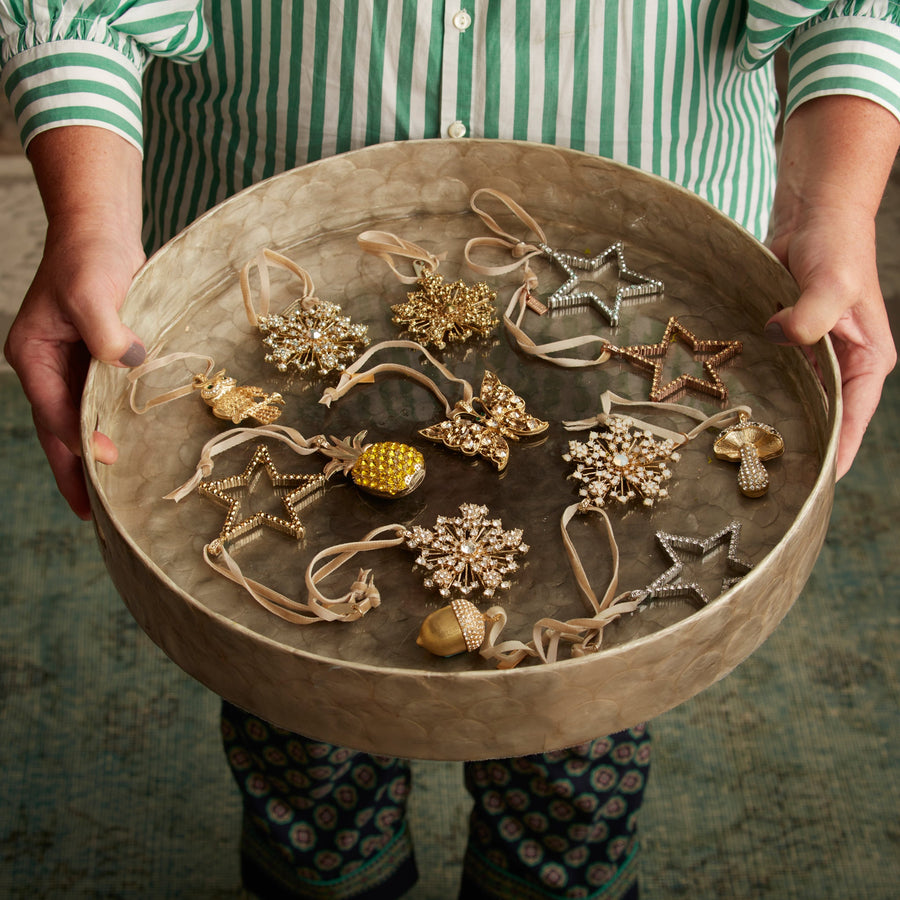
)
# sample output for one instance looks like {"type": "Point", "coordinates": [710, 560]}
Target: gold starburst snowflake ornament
{"type": "Point", "coordinates": [467, 554]}
{"type": "Point", "coordinates": [621, 463]}
{"type": "Point", "coordinates": [437, 313]}
{"type": "Point", "coordinates": [311, 336]}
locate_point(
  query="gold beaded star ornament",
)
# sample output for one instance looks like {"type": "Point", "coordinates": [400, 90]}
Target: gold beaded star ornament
{"type": "Point", "coordinates": [233, 493]}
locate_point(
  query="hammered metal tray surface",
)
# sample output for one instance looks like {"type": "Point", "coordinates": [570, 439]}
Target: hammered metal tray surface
{"type": "Point", "coordinates": [367, 684]}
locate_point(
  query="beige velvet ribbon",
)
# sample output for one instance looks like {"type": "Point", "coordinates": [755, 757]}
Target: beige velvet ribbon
{"type": "Point", "coordinates": [610, 401]}
{"type": "Point", "coordinates": [306, 301]}
{"type": "Point", "coordinates": [584, 633]}
{"type": "Point", "coordinates": [352, 376]}
{"type": "Point", "coordinates": [152, 363]}
{"type": "Point", "coordinates": [362, 596]}
{"type": "Point", "coordinates": [522, 251]}
{"type": "Point", "coordinates": [234, 437]}
{"type": "Point", "coordinates": [387, 246]}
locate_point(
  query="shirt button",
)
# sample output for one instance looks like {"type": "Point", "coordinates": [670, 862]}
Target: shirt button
{"type": "Point", "coordinates": [462, 20]}
{"type": "Point", "coordinates": [456, 129]}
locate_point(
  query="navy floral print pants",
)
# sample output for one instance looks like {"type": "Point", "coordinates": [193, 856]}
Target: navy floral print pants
{"type": "Point", "coordinates": [328, 823]}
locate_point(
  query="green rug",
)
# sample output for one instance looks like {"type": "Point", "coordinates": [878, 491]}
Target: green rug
{"type": "Point", "coordinates": [778, 782]}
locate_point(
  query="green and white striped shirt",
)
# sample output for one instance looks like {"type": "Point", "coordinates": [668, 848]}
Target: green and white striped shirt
{"type": "Point", "coordinates": [683, 89]}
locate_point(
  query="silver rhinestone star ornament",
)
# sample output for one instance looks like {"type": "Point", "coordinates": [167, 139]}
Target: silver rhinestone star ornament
{"type": "Point", "coordinates": [467, 554]}
{"type": "Point", "coordinates": [630, 283]}
{"type": "Point", "coordinates": [669, 584]}
{"type": "Point", "coordinates": [621, 463]}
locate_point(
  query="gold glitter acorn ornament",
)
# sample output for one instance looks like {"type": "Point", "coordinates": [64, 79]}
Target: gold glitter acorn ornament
{"type": "Point", "coordinates": [385, 469]}
{"type": "Point", "coordinates": [454, 629]}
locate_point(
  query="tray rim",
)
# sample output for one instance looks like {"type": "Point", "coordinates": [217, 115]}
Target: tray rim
{"type": "Point", "coordinates": [830, 392]}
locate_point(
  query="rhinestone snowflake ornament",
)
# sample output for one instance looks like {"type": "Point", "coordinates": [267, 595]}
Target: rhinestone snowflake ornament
{"type": "Point", "coordinates": [468, 553]}
{"type": "Point", "coordinates": [320, 338]}
{"type": "Point", "coordinates": [621, 463]}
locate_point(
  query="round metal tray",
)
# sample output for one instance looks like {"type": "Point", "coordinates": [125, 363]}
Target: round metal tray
{"type": "Point", "coordinates": [367, 684]}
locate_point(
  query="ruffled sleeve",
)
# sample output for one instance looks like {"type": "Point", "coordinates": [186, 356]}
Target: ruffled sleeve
{"type": "Point", "coordinates": [80, 62]}
{"type": "Point", "coordinates": [846, 47]}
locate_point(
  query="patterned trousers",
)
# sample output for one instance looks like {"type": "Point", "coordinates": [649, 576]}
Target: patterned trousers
{"type": "Point", "coordinates": [327, 823]}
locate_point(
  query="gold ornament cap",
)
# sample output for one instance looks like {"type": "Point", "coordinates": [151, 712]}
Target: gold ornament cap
{"type": "Point", "coordinates": [450, 630]}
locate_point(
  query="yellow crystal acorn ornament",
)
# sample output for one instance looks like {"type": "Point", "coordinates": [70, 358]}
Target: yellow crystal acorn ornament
{"type": "Point", "coordinates": [385, 469]}
{"type": "Point", "coordinates": [450, 630]}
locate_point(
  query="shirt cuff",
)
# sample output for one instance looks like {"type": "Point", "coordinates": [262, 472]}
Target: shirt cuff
{"type": "Point", "coordinates": [74, 82]}
{"type": "Point", "coordinates": [846, 55]}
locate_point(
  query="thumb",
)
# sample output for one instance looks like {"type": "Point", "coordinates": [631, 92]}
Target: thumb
{"type": "Point", "coordinates": [818, 309]}
{"type": "Point", "coordinates": [94, 312]}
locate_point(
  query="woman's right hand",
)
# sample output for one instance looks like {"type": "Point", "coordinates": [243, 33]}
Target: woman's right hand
{"type": "Point", "coordinates": [89, 179]}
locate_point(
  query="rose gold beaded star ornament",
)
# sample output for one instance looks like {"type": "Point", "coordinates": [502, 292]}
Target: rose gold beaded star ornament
{"type": "Point", "coordinates": [711, 353]}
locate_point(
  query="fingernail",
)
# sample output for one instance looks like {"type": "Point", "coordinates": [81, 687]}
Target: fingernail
{"type": "Point", "coordinates": [775, 333]}
{"type": "Point", "coordinates": [133, 356]}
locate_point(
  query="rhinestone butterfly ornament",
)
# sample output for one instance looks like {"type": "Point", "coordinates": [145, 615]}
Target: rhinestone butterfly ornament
{"type": "Point", "coordinates": [485, 424]}
{"type": "Point", "coordinates": [311, 336]}
{"type": "Point", "coordinates": [467, 554]}
{"type": "Point", "coordinates": [621, 463]}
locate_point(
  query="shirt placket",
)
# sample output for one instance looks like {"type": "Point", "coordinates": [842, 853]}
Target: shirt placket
{"type": "Point", "coordinates": [456, 69]}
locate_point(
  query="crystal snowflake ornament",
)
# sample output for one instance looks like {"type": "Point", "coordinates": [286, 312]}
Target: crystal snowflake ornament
{"type": "Point", "coordinates": [318, 338]}
{"type": "Point", "coordinates": [469, 553]}
{"type": "Point", "coordinates": [621, 463]}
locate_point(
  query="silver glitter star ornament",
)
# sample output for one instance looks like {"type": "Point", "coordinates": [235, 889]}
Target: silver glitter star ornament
{"type": "Point", "coordinates": [569, 294]}
{"type": "Point", "coordinates": [467, 554]}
